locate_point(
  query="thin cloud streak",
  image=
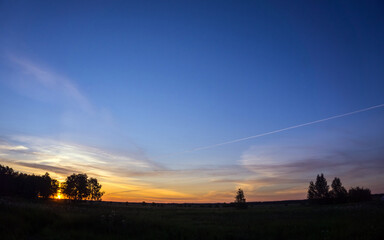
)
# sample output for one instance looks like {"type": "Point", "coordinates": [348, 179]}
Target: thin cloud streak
{"type": "Point", "coordinates": [60, 170]}
{"type": "Point", "coordinates": [70, 153]}
{"type": "Point", "coordinates": [279, 130]}
{"type": "Point", "coordinates": [129, 179]}
{"type": "Point", "coordinates": [262, 174]}
{"type": "Point", "coordinates": [14, 148]}
{"type": "Point", "coordinates": [271, 167]}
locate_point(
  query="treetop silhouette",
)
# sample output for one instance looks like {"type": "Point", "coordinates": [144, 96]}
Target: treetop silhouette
{"type": "Point", "coordinates": [318, 192]}
{"type": "Point", "coordinates": [79, 187]}
{"type": "Point", "coordinates": [76, 186]}
{"type": "Point", "coordinates": [240, 199]}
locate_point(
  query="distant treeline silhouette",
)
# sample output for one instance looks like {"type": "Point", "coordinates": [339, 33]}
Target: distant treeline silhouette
{"type": "Point", "coordinates": [76, 186]}
{"type": "Point", "coordinates": [319, 192]}
{"type": "Point", "coordinates": [13, 183]}
{"type": "Point", "coordinates": [80, 187]}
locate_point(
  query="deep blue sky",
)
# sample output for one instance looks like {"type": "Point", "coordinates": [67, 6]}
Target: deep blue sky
{"type": "Point", "coordinates": [148, 79]}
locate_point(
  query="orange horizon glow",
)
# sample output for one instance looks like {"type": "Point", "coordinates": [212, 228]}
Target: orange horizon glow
{"type": "Point", "coordinates": [216, 185]}
{"type": "Point", "coordinates": [184, 191]}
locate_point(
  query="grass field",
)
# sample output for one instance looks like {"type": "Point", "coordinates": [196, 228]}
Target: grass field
{"type": "Point", "coordinates": [20, 219]}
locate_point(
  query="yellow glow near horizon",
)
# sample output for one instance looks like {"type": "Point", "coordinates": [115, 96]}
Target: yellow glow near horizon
{"type": "Point", "coordinates": [58, 195]}
{"type": "Point", "coordinates": [155, 188]}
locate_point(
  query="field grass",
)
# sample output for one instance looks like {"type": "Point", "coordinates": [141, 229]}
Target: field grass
{"type": "Point", "coordinates": [20, 219]}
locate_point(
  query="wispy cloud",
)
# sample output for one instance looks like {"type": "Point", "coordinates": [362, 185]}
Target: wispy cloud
{"type": "Point", "coordinates": [268, 172]}
{"type": "Point", "coordinates": [71, 155]}
{"type": "Point", "coordinates": [44, 79]}
{"type": "Point", "coordinates": [129, 178]}
{"type": "Point", "coordinates": [118, 173]}
{"type": "Point", "coordinates": [13, 148]}
{"type": "Point", "coordinates": [291, 166]}
{"type": "Point", "coordinates": [45, 167]}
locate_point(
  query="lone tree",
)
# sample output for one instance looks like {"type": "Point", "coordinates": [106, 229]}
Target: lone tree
{"type": "Point", "coordinates": [318, 192]}
{"type": "Point", "coordinates": [240, 199]}
{"type": "Point", "coordinates": [338, 192]}
{"type": "Point", "coordinates": [79, 187]}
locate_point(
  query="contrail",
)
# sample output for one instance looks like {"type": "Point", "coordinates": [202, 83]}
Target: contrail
{"type": "Point", "coordinates": [279, 130]}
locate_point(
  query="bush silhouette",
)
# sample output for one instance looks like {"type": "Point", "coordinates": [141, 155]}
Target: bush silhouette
{"type": "Point", "coordinates": [358, 194]}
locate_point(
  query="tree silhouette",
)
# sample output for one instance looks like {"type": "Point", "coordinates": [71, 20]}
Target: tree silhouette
{"type": "Point", "coordinates": [94, 189]}
{"type": "Point", "coordinates": [322, 187]}
{"type": "Point", "coordinates": [28, 186]}
{"type": "Point", "coordinates": [7, 180]}
{"type": "Point", "coordinates": [318, 192]}
{"type": "Point", "coordinates": [338, 192]}
{"type": "Point", "coordinates": [48, 186]}
{"type": "Point", "coordinates": [358, 194]}
{"type": "Point", "coordinates": [311, 191]}
{"type": "Point", "coordinates": [240, 199]}
{"type": "Point", "coordinates": [79, 187]}
{"type": "Point", "coordinates": [76, 187]}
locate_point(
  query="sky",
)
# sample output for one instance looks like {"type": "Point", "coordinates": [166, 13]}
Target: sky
{"type": "Point", "coordinates": [142, 94]}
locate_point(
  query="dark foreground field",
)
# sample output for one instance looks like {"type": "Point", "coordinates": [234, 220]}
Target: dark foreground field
{"type": "Point", "coordinates": [58, 220]}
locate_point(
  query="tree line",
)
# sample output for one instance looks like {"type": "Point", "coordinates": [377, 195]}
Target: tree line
{"type": "Point", "coordinates": [80, 187]}
{"type": "Point", "coordinates": [319, 192]}
{"type": "Point", "coordinates": [76, 186]}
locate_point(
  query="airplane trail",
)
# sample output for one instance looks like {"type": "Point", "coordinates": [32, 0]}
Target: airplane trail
{"type": "Point", "coordinates": [279, 130]}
